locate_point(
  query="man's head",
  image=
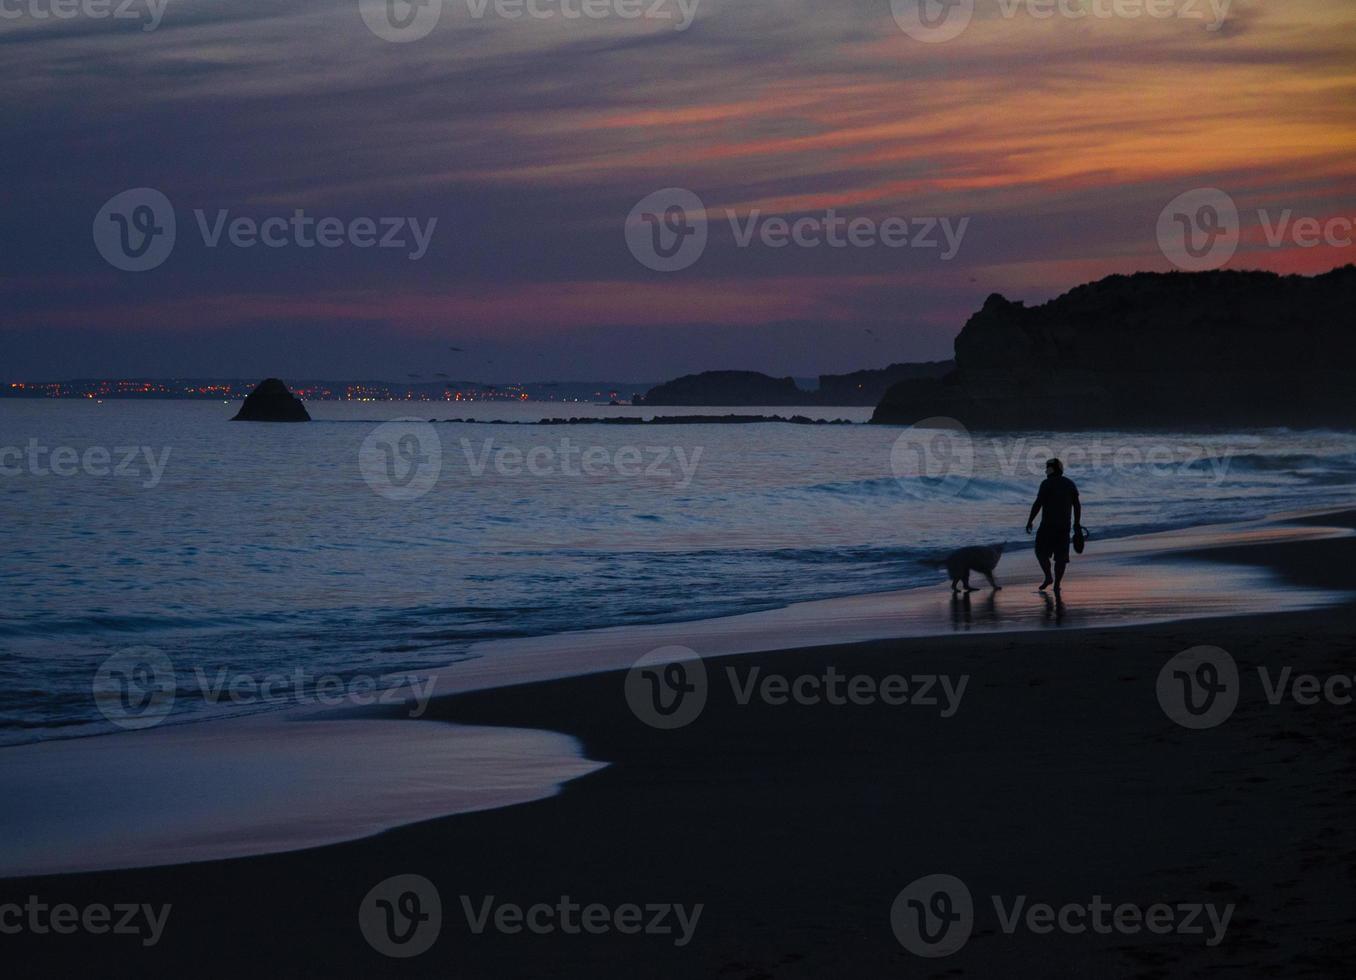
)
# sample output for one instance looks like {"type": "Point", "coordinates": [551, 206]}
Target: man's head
{"type": "Point", "coordinates": [1053, 467]}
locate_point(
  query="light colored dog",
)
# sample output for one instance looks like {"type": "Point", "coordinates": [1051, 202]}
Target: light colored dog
{"type": "Point", "coordinates": [977, 558]}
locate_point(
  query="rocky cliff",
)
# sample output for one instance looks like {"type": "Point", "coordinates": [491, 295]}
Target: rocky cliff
{"type": "Point", "coordinates": [869, 386]}
{"type": "Point", "coordinates": [1152, 349]}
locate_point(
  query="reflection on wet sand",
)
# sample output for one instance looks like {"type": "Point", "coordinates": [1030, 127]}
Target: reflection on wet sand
{"type": "Point", "coordinates": [1134, 580]}
{"type": "Point", "coordinates": [966, 611]}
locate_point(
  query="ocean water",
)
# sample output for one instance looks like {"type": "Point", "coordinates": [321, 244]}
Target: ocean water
{"type": "Point", "coordinates": [356, 548]}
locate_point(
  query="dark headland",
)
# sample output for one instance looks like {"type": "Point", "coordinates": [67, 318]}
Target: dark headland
{"type": "Point", "coordinates": [1152, 349]}
{"type": "Point", "coordinates": [742, 388]}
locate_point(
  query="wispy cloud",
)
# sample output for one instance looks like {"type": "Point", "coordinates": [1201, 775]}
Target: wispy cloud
{"type": "Point", "coordinates": [530, 140]}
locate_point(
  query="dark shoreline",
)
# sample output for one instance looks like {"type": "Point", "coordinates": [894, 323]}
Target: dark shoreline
{"type": "Point", "coordinates": [1059, 778]}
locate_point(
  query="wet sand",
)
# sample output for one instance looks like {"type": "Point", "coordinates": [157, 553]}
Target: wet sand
{"type": "Point", "coordinates": [258, 786]}
{"type": "Point", "coordinates": [1058, 776]}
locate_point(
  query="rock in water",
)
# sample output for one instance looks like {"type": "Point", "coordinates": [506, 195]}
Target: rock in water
{"type": "Point", "coordinates": [270, 401]}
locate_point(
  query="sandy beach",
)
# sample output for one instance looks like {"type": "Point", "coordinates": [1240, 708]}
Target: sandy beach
{"type": "Point", "coordinates": [770, 836]}
{"type": "Point", "coordinates": [586, 489]}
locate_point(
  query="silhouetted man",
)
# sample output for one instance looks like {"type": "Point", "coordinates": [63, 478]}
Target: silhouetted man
{"type": "Point", "coordinates": [1055, 501]}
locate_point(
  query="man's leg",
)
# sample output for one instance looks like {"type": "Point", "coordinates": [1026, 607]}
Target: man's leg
{"type": "Point", "coordinates": [1043, 556]}
{"type": "Point", "coordinates": [1061, 556]}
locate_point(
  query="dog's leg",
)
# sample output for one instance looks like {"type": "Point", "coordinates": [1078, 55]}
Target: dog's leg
{"type": "Point", "coordinates": [968, 587]}
{"type": "Point", "coordinates": [989, 576]}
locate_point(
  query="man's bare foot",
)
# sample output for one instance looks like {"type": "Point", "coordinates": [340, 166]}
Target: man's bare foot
{"type": "Point", "coordinates": [1044, 585]}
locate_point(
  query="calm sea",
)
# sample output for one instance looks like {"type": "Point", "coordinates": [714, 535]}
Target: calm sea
{"type": "Point", "coordinates": [343, 550]}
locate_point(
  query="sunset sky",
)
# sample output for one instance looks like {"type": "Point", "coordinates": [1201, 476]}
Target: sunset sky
{"type": "Point", "coordinates": [530, 140]}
